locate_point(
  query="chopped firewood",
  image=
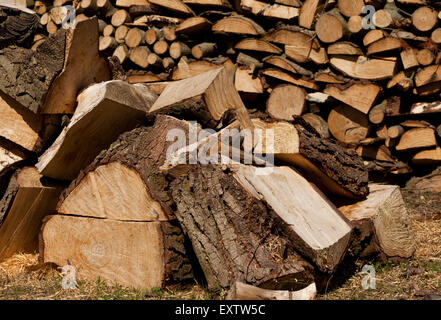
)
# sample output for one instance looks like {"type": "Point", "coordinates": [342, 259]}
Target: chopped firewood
{"type": "Point", "coordinates": [283, 76]}
{"type": "Point", "coordinates": [359, 95]}
{"type": "Point", "coordinates": [348, 125]}
{"type": "Point", "coordinates": [126, 106]}
{"type": "Point", "coordinates": [173, 5]}
{"type": "Point", "coordinates": [416, 138]}
{"type": "Point", "coordinates": [207, 96]}
{"type": "Point", "coordinates": [424, 19]}
{"type": "Point", "coordinates": [193, 25]}
{"type": "Point", "coordinates": [307, 13]}
{"type": "Point", "coordinates": [364, 68]}
{"type": "Point", "coordinates": [82, 67]}
{"type": "Point", "coordinates": [346, 48]}
{"type": "Point", "coordinates": [238, 25]}
{"type": "Point", "coordinates": [427, 157]}
{"type": "Point", "coordinates": [26, 201]}
{"type": "Point", "coordinates": [285, 101]}
{"type": "Point", "coordinates": [257, 45]}
{"type": "Point", "coordinates": [381, 224]}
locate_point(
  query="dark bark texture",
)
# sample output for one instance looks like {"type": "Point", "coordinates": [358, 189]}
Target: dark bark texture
{"type": "Point", "coordinates": [16, 27]}
{"type": "Point", "coordinates": [27, 75]}
{"type": "Point", "coordinates": [344, 167]}
{"type": "Point", "coordinates": [235, 236]}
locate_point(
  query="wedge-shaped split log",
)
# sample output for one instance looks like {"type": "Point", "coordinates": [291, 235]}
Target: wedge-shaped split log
{"type": "Point", "coordinates": [245, 222]}
{"type": "Point", "coordinates": [104, 111]}
{"type": "Point", "coordinates": [26, 201]}
{"type": "Point", "coordinates": [382, 224]}
{"type": "Point", "coordinates": [208, 97]}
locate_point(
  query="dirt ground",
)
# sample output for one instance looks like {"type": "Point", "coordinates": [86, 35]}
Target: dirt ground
{"type": "Point", "coordinates": [22, 277]}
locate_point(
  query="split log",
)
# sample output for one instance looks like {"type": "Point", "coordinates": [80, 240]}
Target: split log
{"type": "Point", "coordinates": [123, 105]}
{"type": "Point", "coordinates": [345, 48]}
{"type": "Point", "coordinates": [417, 138]}
{"type": "Point", "coordinates": [307, 13]}
{"type": "Point", "coordinates": [286, 101]}
{"type": "Point", "coordinates": [205, 49]}
{"type": "Point", "coordinates": [427, 157]}
{"type": "Point", "coordinates": [333, 169]}
{"type": "Point", "coordinates": [359, 96]}
{"type": "Point", "coordinates": [364, 68]}
{"type": "Point", "coordinates": [348, 125]}
{"type": "Point", "coordinates": [409, 58]}
{"type": "Point", "coordinates": [270, 11]}
{"type": "Point", "coordinates": [208, 96]}
{"type": "Point", "coordinates": [242, 291]}
{"type": "Point", "coordinates": [20, 125]}
{"type": "Point", "coordinates": [377, 113]}
{"type": "Point", "coordinates": [294, 79]}
{"type": "Point", "coordinates": [424, 19]}
{"type": "Point", "coordinates": [269, 212]}
{"type": "Point", "coordinates": [139, 56]}
{"type": "Point", "coordinates": [107, 44]}
{"type": "Point", "coordinates": [381, 224]}
{"type": "Point", "coordinates": [304, 53]}
{"type": "Point", "coordinates": [286, 64]}
{"type": "Point", "coordinates": [173, 5]}
{"type": "Point", "coordinates": [318, 123]}
{"type": "Point", "coordinates": [122, 53]}
{"type": "Point", "coordinates": [380, 153]}
{"type": "Point", "coordinates": [11, 158]}
{"type": "Point", "coordinates": [136, 222]}
{"type": "Point", "coordinates": [385, 45]}
{"type": "Point", "coordinates": [179, 49]}
{"type": "Point", "coordinates": [247, 84]}
{"type": "Point", "coordinates": [26, 201]}
{"type": "Point", "coordinates": [193, 25]}
{"type": "Point", "coordinates": [82, 67]}
{"type": "Point", "coordinates": [187, 69]}
{"type": "Point", "coordinates": [257, 45]}
{"type": "Point", "coordinates": [372, 36]}
{"type": "Point", "coordinates": [395, 131]}
{"type": "Point", "coordinates": [237, 25]}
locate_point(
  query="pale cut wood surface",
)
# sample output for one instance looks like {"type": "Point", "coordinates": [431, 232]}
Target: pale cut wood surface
{"type": "Point", "coordinates": [359, 96]}
{"type": "Point", "coordinates": [32, 202]}
{"type": "Point", "coordinates": [363, 68]}
{"type": "Point", "coordinates": [104, 111]}
{"type": "Point", "coordinates": [385, 207]}
{"type": "Point", "coordinates": [113, 191]}
{"type": "Point", "coordinates": [323, 231]}
{"type": "Point", "coordinates": [126, 253]}
{"type": "Point", "coordinates": [417, 138]}
{"type": "Point", "coordinates": [19, 125]}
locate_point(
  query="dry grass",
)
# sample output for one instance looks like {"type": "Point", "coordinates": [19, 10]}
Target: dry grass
{"type": "Point", "coordinates": [22, 277]}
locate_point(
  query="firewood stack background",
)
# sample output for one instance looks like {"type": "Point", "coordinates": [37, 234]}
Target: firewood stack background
{"type": "Point", "coordinates": [350, 88]}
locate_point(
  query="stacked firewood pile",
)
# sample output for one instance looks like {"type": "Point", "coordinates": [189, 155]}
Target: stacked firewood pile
{"type": "Point", "coordinates": [99, 152]}
{"type": "Point", "coordinates": [366, 76]}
